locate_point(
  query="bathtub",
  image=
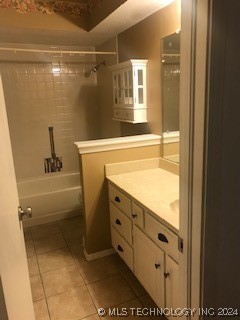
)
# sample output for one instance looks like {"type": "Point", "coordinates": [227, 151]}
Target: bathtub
{"type": "Point", "coordinates": [54, 197]}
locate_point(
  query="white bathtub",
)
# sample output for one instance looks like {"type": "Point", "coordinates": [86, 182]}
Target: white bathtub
{"type": "Point", "coordinates": [54, 197]}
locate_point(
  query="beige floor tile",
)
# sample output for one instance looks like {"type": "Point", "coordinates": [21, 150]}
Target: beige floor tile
{"type": "Point", "coordinates": [30, 248]}
{"type": "Point", "coordinates": [33, 266]}
{"type": "Point", "coordinates": [40, 309]}
{"type": "Point", "coordinates": [71, 224]}
{"type": "Point", "coordinates": [99, 269]}
{"type": "Point", "coordinates": [61, 280]}
{"type": "Point", "coordinates": [133, 281]}
{"type": "Point", "coordinates": [71, 305]}
{"type": "Point", "coordinates": [53, 260]}
{"type": "Point", "coordinates": [49, 243]}
{"type": "Point", "coordinates": [77, 252]}
{"type": "Point", "coordinates": [37, 288]}
{"type": "Point", "coordinates": [27, 234]}
{"type": "Point", "coordinates": [130, 310]}
{"type": "Point", "coordinates": [148, 303]}
{"type": "Point", "coordinates": [110, 291]}
{"type": "Point", "coordinates": [45, 230]}
{"type": "Point", "coordinates": [74, 236]}
{"type": "Point", "coordinates": [92, 317]}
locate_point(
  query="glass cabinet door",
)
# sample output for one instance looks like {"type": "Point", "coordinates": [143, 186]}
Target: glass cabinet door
{"type": "Point", "coordinates": [128, 86]}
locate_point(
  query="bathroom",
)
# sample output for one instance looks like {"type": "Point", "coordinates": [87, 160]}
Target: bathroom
{"type": "Point", "coordinates": [59, 91]}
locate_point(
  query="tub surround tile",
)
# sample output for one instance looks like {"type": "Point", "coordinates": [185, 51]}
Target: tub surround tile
{"type": "Point", "coordinates": [30, 248]}
{"type": "Point", "coordinates": [110, 291]}
{"type": "Point", "coordinates": [61, 280]}
{"type": "Point", "coordinates": [37, 288]}
{"type": "Point", "coordinates": [71, 305]}
{"type": "Point", "coordinates": [99, 269]}
{"type": "Point", "coordinates": [33, 266]}
{"type": "Point", "coordinates": [53, 260]}
{"type": "Point", "coordinates": [45, 230]}
{"type": "Point", "coordinates": [41, 310]}
{"type": "Point", "coordinates": [49, 243]}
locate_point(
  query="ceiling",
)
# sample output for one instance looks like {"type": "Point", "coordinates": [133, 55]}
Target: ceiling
{"type": "Point", "coordinates": [82, 22]}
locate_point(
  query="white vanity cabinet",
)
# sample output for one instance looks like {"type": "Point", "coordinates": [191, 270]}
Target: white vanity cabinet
{"type": "Point", "coordinates": [129, 91]}
{"type": "Point", "coordinates": [148, 247]}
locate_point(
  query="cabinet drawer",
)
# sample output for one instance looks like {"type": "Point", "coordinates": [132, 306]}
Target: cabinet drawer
{"type": "Point", "coordinates": [121, 223]}
{"type": "Point", "coordinates": [137, 215]}
{"type": "Point", "coordinates": [120, 200]}
{"type": "Point", "coordinates": [122, 248]}
{"type": "Point", "coordinates": [162, 236]}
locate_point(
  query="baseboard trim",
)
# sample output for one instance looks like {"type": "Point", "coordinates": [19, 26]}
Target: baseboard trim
{"type": "Point", "coordinates": [98, 255]}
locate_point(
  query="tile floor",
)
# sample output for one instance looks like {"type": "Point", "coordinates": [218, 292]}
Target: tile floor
{"type": "Point", "coordinates": [67, 287]}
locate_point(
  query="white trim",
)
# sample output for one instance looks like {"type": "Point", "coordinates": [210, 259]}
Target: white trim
{"type": "Point", "coordinates": [99, 254]}
{"type": "Point", "coordinates": [118, 143]}
{"type": "Point", "coordinates": [170, 137]}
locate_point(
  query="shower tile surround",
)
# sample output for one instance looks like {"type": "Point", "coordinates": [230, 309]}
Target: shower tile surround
{"type": "Point", "coordinates": [39, 95]}
{"type": "Point", "coordinates": [67, 287]}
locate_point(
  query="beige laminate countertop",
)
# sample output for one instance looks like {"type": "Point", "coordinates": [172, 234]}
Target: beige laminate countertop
{"type": "Point", "coordinates": [156, 189]}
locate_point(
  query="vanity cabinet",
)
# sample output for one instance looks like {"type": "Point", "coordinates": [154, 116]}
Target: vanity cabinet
{"type": "Point", "coordinates": [129, 91]}
{"type": "Point", "coordinates": [148, 247]}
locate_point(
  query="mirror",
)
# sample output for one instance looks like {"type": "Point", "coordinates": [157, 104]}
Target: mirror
{"type": "Point", "coordinates": [170, 95]}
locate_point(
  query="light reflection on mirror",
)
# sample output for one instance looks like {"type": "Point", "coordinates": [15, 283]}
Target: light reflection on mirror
{"type": "Point", "coordinates": [170, 95]}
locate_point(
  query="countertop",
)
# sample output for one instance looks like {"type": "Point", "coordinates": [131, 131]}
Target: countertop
{"type": "Point", "coordinates": [155, 189]}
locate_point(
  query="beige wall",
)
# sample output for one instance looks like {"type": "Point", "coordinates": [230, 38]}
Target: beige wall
{"type": "Point", "coordinates": [95, 193]}
{"type": "Point", "coordinates": [109, 128]}
{"type": "Point", "coordinates": [170, 149]}
{"type": "Point", "coordinates": [143, 41]}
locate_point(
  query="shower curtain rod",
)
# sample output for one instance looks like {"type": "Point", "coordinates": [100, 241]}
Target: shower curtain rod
{"type": "Point", "coordinates": [70, 52]}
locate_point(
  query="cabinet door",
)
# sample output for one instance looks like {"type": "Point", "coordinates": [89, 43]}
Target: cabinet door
{"type": "Point", "coordinates": [149, 266]}
{"type": "Point", "coordinates": [171, 283]}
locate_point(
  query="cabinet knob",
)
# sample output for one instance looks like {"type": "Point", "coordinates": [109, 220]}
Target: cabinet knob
{"type": "Point", "coordinates": [119, 248]}
{"type": "Point", "coordinates": [134, 215]}
{"type": "Point", "coordinates": [162, 237]}
{"type": "Point", "coordinates": [166, 275]}
{"type": "Point", "coordinates": [157, 265]}
{"type": "Point", "coordinates": [118, 222]}
{"type": "Point", "coordinates": [117, 199]}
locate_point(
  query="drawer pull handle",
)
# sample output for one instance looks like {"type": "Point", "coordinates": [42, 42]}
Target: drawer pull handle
{"type": "Point", "coordinates": [134, 216]}
{"type": "Point", "coordinates": [157, 265]}
{"type": "Point", "coordinates": [119, 248]}
{"type": "Point", "coordinates": [162, 238]}
{"type": "Point", "coordinates": [166, 275]}
{"type": "Point", "coordinates": [118, 222]}
{"type": "Point", "coordinates": [117, 199]}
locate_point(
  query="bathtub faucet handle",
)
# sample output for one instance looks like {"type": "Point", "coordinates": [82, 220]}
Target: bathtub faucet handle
{"type": "Point", "coordinates": [27, 212]}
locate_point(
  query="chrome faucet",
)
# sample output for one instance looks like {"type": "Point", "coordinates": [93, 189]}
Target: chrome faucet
{"type": "Point", "coordinates": [54, 163]}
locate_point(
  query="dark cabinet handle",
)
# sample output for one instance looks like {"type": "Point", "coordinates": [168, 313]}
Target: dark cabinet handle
{"type": "Point", "coordinates": [117, 199]}
{"type": "Point", "coordinates": [166, 275]}
{"type": "Point", "coordinates": [119, 248]}
{"type": "Point", "coordinates": [118, 222]}
{"type": "Point", "coordinates": [162, 238]}
{"type": "Point", "coordinates": [134, 215]}
{"type": "Point", "coordinates": [157, 265]}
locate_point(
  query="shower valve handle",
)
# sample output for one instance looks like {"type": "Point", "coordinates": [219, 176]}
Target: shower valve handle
{"type": "Point", "coordinates": [27, 212]}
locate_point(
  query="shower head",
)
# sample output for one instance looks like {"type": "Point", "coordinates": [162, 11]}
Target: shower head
{"type": "Point", "coordinates": [94, 69]}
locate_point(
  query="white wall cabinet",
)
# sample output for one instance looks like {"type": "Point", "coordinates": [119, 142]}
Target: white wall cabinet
{"type": "Point", "coordinates": [148, 247]}
{"type": "Point", "coordinates": [129, 91]}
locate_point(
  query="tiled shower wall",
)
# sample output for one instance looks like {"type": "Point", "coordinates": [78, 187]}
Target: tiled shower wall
{"type": "Point", "coordinates": [39, 95]}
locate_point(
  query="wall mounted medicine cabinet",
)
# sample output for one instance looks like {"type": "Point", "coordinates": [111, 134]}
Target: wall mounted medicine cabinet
{"type": "Point", "coordinates": [129, 91]}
